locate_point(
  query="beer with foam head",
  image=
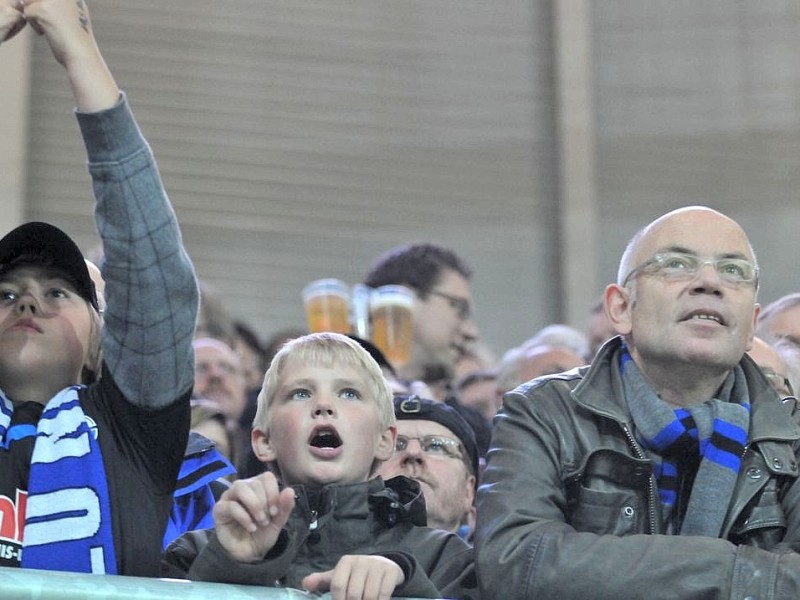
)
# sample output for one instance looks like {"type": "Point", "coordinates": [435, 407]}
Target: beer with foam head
{"type": "Point", "coordinates": [392, 319]}
{"type": "Point", "coordinates": [327, 304]}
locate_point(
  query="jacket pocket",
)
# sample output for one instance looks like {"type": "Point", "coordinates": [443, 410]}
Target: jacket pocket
{"type": "Point", "coordinates": [608, 494]}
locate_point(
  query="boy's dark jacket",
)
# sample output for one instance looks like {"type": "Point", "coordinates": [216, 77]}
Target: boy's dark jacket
{"type": "Point", "coordinates": [376, 517]}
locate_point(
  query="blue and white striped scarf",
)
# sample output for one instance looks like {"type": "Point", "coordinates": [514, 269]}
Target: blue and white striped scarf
{"type": "Point", "coordinates": [708, 439]}
{"type": "Point", "coordinates": [68, 514]}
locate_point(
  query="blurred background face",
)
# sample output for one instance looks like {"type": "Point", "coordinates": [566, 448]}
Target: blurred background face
{"type": "Point", "coordinates": [442, 328]}
{"type": "Point", "coordinates": [219, 376]}
{"type": "Point", "coordinates": [773, 366]}
{"type": "Point", "coordinates": [786, 324]}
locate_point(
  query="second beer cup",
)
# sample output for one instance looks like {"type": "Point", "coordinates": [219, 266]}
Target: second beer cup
{"type": "Point", "coordinates": [327, 303]}
{"type": "Point", "coordinates": [391, 312]}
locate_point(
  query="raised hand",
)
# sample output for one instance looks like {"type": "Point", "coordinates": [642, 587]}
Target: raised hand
{"type": "Point", "coordinates": [65, 24]}
{"type": "Point", "coordinates": [249, 516]}
{"type": "Point", "coordinates": [11, 19]}
{"type": "Point", "coordinates": [364, 577]}
{"type": "Point", "coordinates": [68, 29]}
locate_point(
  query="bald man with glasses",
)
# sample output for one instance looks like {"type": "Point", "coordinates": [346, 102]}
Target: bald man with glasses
{"type": "Point", "coordinates": [668, 468]}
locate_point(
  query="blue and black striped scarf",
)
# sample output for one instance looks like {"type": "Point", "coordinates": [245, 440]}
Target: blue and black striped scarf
{"type": "Point", "coordinates": [704, 441]}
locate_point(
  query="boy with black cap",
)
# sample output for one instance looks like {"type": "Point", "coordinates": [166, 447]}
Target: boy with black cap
{"type": "Point", "coordinates": [87, 472]}
{"type": "Point", "coordinates": [436, 447]}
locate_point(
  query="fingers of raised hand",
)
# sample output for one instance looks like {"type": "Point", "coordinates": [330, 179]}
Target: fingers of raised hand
{"type": "Point", "coordinates": [11, 19]}
{"type": "Point", "coordinates": [245, 504]}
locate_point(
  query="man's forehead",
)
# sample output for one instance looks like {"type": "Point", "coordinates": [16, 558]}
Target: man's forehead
{"type": "Point", "coordinates": [701, 231]}
{"type": "Point", "coordinates": [454, 283]}
{"type": "Point", "coordinates": [209, 350]}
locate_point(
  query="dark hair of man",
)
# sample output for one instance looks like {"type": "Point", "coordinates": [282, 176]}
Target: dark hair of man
{"type": "Point", "coordinates": [417, 266]}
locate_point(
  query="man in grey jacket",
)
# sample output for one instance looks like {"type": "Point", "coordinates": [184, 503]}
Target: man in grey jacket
{"type": "Point", "coordinates": [668, 467]}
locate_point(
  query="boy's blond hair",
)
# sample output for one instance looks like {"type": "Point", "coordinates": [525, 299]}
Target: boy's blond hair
{"type": "Point", "coordinates": [326, 350]}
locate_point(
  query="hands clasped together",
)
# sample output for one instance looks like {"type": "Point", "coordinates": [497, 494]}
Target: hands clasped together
{"type": "Point", "coordinates": [249, 518]}
{"type": "Point", "coordinates": [65, 23]}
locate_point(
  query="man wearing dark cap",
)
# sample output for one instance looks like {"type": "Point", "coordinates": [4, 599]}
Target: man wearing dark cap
{"type": "Point", "coordinates": [90, 449]}
{"type": "Point", "coordinates": [436, 447]}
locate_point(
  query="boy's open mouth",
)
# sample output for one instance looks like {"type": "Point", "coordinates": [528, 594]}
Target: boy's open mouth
{"type": "Point", "coordinates": [325, 437]}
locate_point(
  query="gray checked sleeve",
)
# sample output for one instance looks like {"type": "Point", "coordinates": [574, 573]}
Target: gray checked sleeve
{"type": "Point", "coordinates": [151, 288]}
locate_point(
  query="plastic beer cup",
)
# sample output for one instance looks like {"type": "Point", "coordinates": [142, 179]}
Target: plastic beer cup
{"type": "Point", "coordinates": [392, 320]}
{"type": "Point", "coordinates": [327, 304]}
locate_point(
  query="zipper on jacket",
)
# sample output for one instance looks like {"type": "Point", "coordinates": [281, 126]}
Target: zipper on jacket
{"type": "Point", "coordinates": [651, 491]}
{"type": "Point", "coordinates": [314, 521]}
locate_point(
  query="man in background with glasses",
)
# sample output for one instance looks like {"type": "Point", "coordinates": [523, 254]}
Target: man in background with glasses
{"type": "Point", "coordinates": [668, 468]}
{"type": "Point", "coordinates": [436, 447]}
{"type": "Point", "coordinates": [779, 360]}
{"type": "Point", "coordinates": [444, 329]}
{"type": "Point", "coordinates": [443, 325]}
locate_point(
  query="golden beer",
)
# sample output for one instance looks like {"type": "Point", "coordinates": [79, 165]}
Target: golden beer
{"type": "Point", "coordinates": [392, 317]}
{"type": "Point", "coordinates": [327, 306]}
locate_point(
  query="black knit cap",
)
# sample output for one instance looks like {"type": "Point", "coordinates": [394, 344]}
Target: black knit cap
{"type": "Point", "coordinates": [415, 408]}
{"type": "Point", "coordinates": [374, 352]}
{"type": "Point", "coordinates": [55, 248]}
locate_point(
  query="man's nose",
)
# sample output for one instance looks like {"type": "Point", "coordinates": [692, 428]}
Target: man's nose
{"type": "Point", "coordinates": [214, 372]}
{"type": "Point", "coordinates": [469, 330]}
{"type": "Point", "coordinates": [413, 452]}
{"type": "Point", "coordinates": [707, 279]}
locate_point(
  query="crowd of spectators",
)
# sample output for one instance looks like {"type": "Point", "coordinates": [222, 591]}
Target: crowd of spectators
{"type": "Point", "coordinates": [660, 438]}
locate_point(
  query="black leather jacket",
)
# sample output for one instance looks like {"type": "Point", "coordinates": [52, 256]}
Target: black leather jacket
{"type": "Point", "coordinates": [568, 508]}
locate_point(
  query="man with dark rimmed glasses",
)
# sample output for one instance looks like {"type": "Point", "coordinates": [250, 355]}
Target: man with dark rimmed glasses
{"type": "Point", "coordinates": [443, 325]}
{"type": "Point", "coordinates": [668, 468]}
{"type": "Point", "coordinates": [444, 329]}
{"type": "Point", "coordinates": [436, 447]}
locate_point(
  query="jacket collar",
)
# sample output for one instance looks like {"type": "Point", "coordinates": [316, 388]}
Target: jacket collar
{"type": "Point", "coordinates": [601, 392]}
{"type": "Point", "coordinates": [398, 499]}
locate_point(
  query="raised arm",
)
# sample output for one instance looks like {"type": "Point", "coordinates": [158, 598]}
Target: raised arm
{"type": "Point", "coordinates": [151, 289]}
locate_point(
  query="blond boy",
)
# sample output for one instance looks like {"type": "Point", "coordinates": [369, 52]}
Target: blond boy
{"type": "Point", "coordinates": [319, 520]}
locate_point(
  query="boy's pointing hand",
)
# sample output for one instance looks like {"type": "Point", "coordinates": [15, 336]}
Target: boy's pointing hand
{"type": "Point", "coordinates": [249, 516]}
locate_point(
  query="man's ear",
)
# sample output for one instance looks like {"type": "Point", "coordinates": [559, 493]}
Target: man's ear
{"type": "Point", "coordinates": [261, 446]}
{"type": "Point", "coordinates": [617, 305]}
{"type": "Point", "coordinates": [470, 489]}
{"type": "Point", "coordinates": [385, 448]}
{"type": "Point", "coordinates": [756, 312]}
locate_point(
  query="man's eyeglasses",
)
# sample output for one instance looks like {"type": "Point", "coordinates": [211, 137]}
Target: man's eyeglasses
{"type": "Point", "coordinates": [437, 446]}
{"type": "Point", "coordinates": [677, 266]}
{"type": "Point", "coordinates": [460, 305]}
